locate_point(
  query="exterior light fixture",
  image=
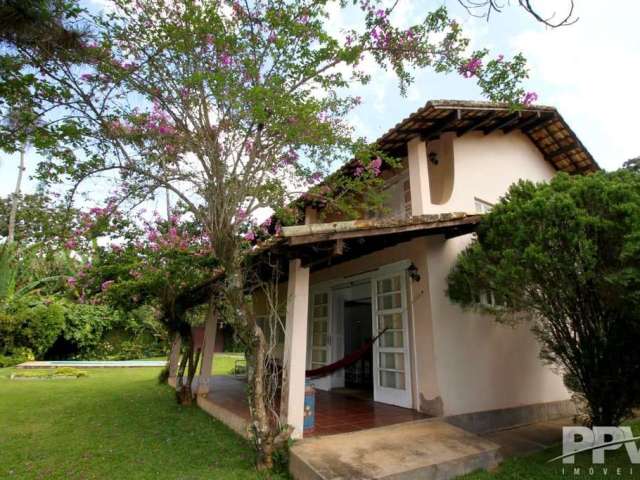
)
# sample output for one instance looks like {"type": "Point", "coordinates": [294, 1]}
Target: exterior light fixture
{"type": "Point", "coordinates": [413, 273]}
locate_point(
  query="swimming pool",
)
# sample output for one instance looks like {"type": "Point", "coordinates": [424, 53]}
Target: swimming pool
{"type": "Point", "coordinates": [94, 363]}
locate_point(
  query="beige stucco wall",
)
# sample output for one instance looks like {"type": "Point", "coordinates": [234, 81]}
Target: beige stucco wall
{"type": "Point", "coordinates": [481, 365]}
{"type": "Point", "coordinates": [485, 166]}
{"type": "Point", "coordinates": [424, 381]}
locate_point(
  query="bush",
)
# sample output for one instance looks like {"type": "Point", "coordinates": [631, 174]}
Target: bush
{"type": "Point", "coordinates": [31, 322]}
{"type": "Point", "coordinates": [16, 357]}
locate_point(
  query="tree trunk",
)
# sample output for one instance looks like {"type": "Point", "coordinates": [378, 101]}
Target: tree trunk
{"type": "Point", "coordinates": [14, 200]}
{"type": "Point", "coordinates": [262, 424]}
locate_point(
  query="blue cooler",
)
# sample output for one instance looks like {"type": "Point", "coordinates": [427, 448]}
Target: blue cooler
{"type": "Point", "coordinates": [309, 407]}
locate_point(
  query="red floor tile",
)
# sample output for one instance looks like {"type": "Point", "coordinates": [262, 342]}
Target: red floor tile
{"type": "Point", "coordinates": [335, 412]}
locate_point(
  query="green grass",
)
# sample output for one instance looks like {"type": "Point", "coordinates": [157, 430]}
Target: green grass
{"type": "Point", "coordinates": [536, 466]}
{"type": "Point", "coordinates": [114, 424]}
{"type": "Point", "coordinates": [224, 363]}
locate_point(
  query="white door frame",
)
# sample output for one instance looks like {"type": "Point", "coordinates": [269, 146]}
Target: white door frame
{"type": "Point", "coordinates": [395, 396]}
{"type": "Point", "coordinates": [381, 394]}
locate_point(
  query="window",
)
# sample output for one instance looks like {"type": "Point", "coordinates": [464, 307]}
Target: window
{"type": "Point", "coordinates": [482, 206]}
{"type": "Point", "coordinates": [489, 299]}
{"type": "Point", "coordinates": [406, 186]}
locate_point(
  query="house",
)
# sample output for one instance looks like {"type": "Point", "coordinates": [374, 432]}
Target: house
{"type": "Point", "coordinates": [349, 280]}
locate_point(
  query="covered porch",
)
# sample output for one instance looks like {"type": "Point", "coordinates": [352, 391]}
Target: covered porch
{"type": "Point", "coordinates": [336, 411]}
{"type": "Point", "coordinates": [312, 336]}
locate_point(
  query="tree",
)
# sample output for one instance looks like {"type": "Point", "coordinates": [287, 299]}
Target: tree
{"type": "Point", "coordinates": [38, 22]}
{"type": "Point", "coordinates": [164, 264]}
{"type": "Point", "coordinates": [565, 257]}
{"type": "Point", "coordinates": [632, 164]}
{"type": "Point", "coordinates": [484, 9]}
{"type": "Point", "coordinates": [233, 107]}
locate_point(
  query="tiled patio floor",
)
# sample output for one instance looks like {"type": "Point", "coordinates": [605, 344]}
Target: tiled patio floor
{"type": "Point", "coordinates": [335, 412]}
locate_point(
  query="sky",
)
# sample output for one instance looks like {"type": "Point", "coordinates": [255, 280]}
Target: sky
{"type": "Point", "coordinates": [589, 71]}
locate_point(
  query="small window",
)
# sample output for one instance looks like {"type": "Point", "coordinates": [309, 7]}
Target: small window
{"type": "Point", "coordinates": [482, 206]}
{"type": "Point", "coordinates": [489, 299]}
{"type": "Point", "coordinates": [406, 186]}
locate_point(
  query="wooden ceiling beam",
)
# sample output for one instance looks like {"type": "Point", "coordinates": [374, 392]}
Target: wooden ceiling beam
{"type": "Point", "coordinates": [563, 149]}
{"type": "Point", "coordinates": [505, 122]}
{"type": "Point", "coordinates": [442, 125]}
{"type": "Point", "coordinates": [477, 122]}
{"type": "Point", "coordinates": [533, 124]}
{"type": "Point", "coordinates": [532, 120]}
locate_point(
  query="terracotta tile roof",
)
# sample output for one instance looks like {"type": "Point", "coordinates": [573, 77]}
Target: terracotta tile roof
{"type": "Point", "coordinates": [542, 124]}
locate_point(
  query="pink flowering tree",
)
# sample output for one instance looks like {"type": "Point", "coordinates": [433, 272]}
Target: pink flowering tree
{"type": "Point", "coordinates": [166, 264]}
{"type": "Point", "coordinates": [234, 106]}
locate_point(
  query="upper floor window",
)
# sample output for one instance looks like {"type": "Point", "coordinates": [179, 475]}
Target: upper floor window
{"type": "Point", "coordinates": [482, 206]}
{"type": "Point", "coordinates": [397, 202]}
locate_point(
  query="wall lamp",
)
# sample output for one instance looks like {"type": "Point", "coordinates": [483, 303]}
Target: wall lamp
{"type": "Point", "coordinates": [413, 273]}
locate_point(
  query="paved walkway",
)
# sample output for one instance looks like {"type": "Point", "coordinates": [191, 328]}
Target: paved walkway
{"type": "Point", "coordinates": [423, 449]}
{"type": "Point", "coordinates": [529, 438]}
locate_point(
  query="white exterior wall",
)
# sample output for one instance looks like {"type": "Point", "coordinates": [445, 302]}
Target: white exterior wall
{"type": "Point", "coordinates": [480, 364]}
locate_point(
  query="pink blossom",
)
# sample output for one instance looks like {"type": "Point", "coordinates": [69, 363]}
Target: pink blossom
{"type": "Point", "coordinates": [87, 77]}
{"type": "Point", "coordinates": [225, 59]}
{"type": "Point", "coordinates": [250, 236]}
{"type": "Point", "coordinates": [209, 39]}
{"type": "Point", "coordinates": [152, 235]}
{"type": "Point", "coordinates": [471, 68]}
{"type": "Point", "coordinates": [359, 170]}
{"type": "Point", "coordinates": [278, 228]}
{"type": "Point", "coordinates": [71, 244]}
{"type": "Point", "coordinates": [115, 248]}
{"type": "Point", "coordinates": [106, 285]}
{"type": "Point", "coordinates": [529, 98]}
{"type": "Point", "coordinates": [375, 165]}
{"type": "Point", "coordinates": [316, 177]}
{"type": "Point", "coordinates": [241, 214]}
{"type": "Point", "coordinates": [71, 281]}
{"type": "Point", "coordinates": [272, 37]}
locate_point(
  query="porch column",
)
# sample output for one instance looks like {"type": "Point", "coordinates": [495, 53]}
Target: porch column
{"type": "Point", "coordinates": [174, 359]}
{"type": "Point", "coordinates": [418, 176]}
{"type": "Point", "coordinates": [208, 348]}
{"type": "Point", "coordinates": [295, 348]}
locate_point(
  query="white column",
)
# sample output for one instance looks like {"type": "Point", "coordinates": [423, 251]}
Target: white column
{"type": "Point", "coordinates": [208, 347]}
{"type": "Point", "coordinates": [295, 348]}
{"type": "Point", "coordinates": [418, 176]}
{"type": "Point", "coordinates": [174, 359]}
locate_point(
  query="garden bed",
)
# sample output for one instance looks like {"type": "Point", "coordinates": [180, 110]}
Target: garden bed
{"type": "Point", "coordinates": [64, 373]}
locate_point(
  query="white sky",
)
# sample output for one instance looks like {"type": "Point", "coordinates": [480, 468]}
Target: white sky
{"type": "Point", "coordinates": [590, 71]}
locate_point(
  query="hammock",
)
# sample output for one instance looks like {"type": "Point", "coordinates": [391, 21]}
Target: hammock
{"type": "Point", "coordinates": [350, 359]}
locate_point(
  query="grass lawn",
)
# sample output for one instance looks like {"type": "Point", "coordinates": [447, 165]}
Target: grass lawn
{"type": "Point", "coordinates": [114, 424]}
{"type": "Point", "coordinates": [535, 467]}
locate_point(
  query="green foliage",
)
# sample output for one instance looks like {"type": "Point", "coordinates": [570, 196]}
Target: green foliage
{"type": "Point", "coordinates": [31, 322]}
{"type": "Point", "coordinates": [40, 219]}
{"type": "Point", "coordinates": [566, 256]}
{"type": "Point", "coordinates": [16, 356]}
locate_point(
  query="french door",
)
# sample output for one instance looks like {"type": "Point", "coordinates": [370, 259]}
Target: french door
{"type": "Point", "coordinates": [391, 363]}
{"type": "Point", "coordinates": [320, 334]}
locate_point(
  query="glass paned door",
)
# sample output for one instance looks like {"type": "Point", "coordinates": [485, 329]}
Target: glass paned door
{"type": "Point", "coordinates": [319, 344]}
{"type": "Point", "coordinates": [391, 351]}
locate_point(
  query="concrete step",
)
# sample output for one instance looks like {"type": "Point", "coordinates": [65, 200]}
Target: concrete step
{"type": "Point", "coordinates": [425, 449]}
